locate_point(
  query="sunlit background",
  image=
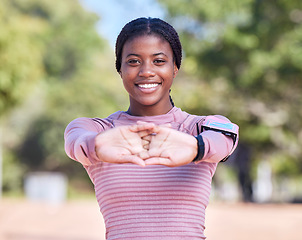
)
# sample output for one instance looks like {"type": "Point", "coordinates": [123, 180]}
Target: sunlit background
{"type": "Point", "coordinates": [242, 59]}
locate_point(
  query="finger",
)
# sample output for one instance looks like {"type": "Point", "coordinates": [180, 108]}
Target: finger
{"type": "Point", "coordinates": [157, 129]}
{"type": "Point", "coordinates": [133, 159]}
{"type": "Point", "coordinates": [145, 134]}
{"type": "Point", "coordinates": [142, 127]}
{"type": "Point", "coordinates": [146, 144]}
{"type": "Point", "coordinates": [147, 138]}
{"type": "Point", "coordinates": [158, 161]}
{"type": "Point", "coordinates": [158, 140]}
{"type": "Point", "coordinates": [144, 155]}
{"type": "Point", "coordinates": [135, 150]}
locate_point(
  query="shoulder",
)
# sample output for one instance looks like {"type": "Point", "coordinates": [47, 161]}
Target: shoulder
{"type": "Point", "coordinates": [188, 121]}
{"type": "Point", "coordinates": [93, 124]}
{"type": "Point", "coordinates": [192, 123]}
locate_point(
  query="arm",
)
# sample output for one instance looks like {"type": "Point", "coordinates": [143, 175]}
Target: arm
{"type": "Point", "coordinates": [174, 148]}
{"type": "Point", "coordinates": [216, 146]}
{"type": "Point", "coordinates": [88, 143]}
{"type": "Point", "coordinates": [79, 140]}
{"type": "Point", "coordinates": [220, 137]}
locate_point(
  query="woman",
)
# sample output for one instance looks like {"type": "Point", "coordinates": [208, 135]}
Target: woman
{"type": "Point", "coordinates": [152, 165]}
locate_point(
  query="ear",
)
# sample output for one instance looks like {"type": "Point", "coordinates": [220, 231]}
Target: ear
{"type": "Point", "coordinates": [175, 70]}
{"type": "Point", "coordinates": [120, 73]}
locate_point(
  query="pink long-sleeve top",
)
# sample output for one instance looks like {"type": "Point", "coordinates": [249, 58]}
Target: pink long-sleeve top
{"type": "Point", "coordinates": [152, 202]}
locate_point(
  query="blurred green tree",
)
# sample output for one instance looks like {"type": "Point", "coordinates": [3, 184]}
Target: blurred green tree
{"type": "Point", "coordinates": [77, 78]}
{"type": "Point", "coordinates": [20, 55]}
{"type": "Point", "coordinates": [243, 60]}
{"type": "Point", "coordinates": [20, 69]}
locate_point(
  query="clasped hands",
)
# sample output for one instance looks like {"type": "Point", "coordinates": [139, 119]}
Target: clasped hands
{"type": "Point", "coordinates": [146, 144]}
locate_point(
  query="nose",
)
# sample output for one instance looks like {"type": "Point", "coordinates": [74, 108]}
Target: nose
{"type": "Point", "coordinates": [146, 70]}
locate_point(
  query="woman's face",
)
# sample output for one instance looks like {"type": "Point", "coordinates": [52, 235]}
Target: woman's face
{"type": "Point", "coordinates": [148, 70]}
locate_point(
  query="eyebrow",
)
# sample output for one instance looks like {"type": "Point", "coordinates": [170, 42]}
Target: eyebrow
{"type": "Point", "coordinates": [155, 54]}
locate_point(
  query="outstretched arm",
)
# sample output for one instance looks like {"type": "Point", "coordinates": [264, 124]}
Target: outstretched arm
{"type": "Point", "coordinates": [174, 148]}
{"type": "Point", "coordinates": [79, 140]}
{"type": "Point", "coordinates": [88, 142]}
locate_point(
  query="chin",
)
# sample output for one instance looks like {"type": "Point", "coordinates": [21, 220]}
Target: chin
{"type": "Point", "coordinates": [148, 102]}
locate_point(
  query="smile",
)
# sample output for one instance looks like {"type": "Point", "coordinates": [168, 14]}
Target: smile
{"type": "Point", "coordinates": [150, 85]}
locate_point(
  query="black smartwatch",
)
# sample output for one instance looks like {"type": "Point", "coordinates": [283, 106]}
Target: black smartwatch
{"type": "Point", "coordinates": [200, 148]}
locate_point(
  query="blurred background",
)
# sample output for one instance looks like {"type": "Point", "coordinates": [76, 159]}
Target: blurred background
{"type": "Point", "coordinates": [242, 59]}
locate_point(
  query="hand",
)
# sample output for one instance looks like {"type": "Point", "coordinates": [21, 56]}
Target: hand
{"type": "Point", "coordinates": [123, 144]}
{"type": "Point", "coordinates": [169, 147]}
{"type": "Point", "coordinates": [147, 134]}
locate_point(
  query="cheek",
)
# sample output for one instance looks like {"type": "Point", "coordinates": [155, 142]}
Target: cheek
{"type": "Point", "coordinates": [126, 77]}
{"type": "Point", "coordinates": [127, 80]}
{"type": "Point", "coordinates": [168, 74]}
{"type": "Point", "coordinates": [126, 73]}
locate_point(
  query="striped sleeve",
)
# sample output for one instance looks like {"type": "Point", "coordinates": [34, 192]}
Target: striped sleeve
{"type": "Point", "coordinates": [79, 140]}
{"type": "Point", "coordinates": [217, 145]}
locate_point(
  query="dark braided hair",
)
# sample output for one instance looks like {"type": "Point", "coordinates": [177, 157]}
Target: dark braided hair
{"type": "Point", "coordinates": [148, 26]}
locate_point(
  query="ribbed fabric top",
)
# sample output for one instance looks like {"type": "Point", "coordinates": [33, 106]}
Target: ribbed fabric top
{"type": "Point", "coordinates": [152, 202]}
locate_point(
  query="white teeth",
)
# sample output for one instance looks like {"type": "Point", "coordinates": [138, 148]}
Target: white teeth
{"type": "Point", "coordinates": [151, 85]}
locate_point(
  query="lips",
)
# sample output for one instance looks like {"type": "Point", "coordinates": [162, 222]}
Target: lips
{"type": "Point", "coordinates": [148, 85]}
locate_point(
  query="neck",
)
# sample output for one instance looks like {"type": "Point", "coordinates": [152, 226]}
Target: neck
{"type": "Point", "coordinates": [149, 110]}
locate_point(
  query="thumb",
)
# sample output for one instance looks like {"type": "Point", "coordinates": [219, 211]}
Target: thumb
{"type": "Point", "coordinates": [144, 154]}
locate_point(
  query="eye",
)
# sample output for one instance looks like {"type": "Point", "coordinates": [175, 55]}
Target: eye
{"type": "Point", "coordinates": [159, 61]}
{"type": "Point", "coordinates": [133, 62]}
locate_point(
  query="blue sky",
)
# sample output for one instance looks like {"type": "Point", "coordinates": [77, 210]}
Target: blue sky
{"type": "Point", "coordinates": [114, 14]}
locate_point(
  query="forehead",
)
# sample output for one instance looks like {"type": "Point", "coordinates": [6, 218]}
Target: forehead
{"type": "Point", "coordinates": [145, 44]}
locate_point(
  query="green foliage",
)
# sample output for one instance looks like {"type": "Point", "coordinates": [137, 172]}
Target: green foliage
{"type": "Point", "coordinates": [70, 36]}
{"type": "Point", "coordinates": [87, 95]}
{"type": "Point", "coordinates": [80, 82]}
{"type": "Point", "coordinates": [13, 173]}
{"type": "Point", "coordinates": [76, 78]}
{"type": "Point", "coordinates": [243, 60]}
{"type": "Point", "coordinates": [20, 55]}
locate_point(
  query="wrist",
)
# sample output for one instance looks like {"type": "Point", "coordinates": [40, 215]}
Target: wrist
{"type": "Point", "coordinates": [99, 141]}
{"type": "Point", "coordinates": [200, 148]}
